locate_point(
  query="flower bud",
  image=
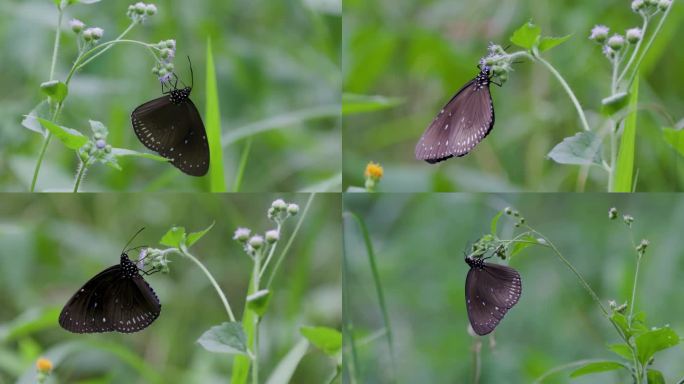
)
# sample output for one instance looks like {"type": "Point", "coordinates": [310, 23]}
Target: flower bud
{"type": "Point", "coordinates": [638, 5]}
{"type": "Point", "coordinates": [140, 8]}
{"type": "Point", "coordinates": [164, 53]}
{"type": "Point", "coordinates": [241, 234]}
{"type": "Point", "coordinates": [498, 70]}
{"type": "Point", "coordinates": [293, 209]}
{"type": "Point", "coordinates": [76, 25]}
{"type": "Point", "coordinates": [616, 42]}
{"type": "Point", "coordinates": [169, 67]}
{"type": "Point", "coordinates": [170, 44]}
{"type": "Point", "coordinates": [628, 220]}
{"type": "Point", "coordinates": [43, 365]}
{"type": "Point", "coordinates": [612, 213]}
{"type": "Point", "coordinates": [100, 144]}
{"type": "Point", "coordinates": [663, 5]}
{"type": "Point", "coordinates": [256, 242]}
{"type": "Point", "coordinates": [151, 9]}
{"type": "Point", "coordinates": [599, 33]}
{"type": "Point", "coordinates": [633, 35]}
{"type": "Point", "coordinates": [508, 210]}
{"type": "Point", "coordinates": [155, 70]}
{"type": "Point", "coordinates": [272, 236]}
{"type": "Point", "coordinates": [279, 205]}
{"type": "Point", "coordinates": [88, 35]}
{"type": "Point", "coordinates": [108, 148]}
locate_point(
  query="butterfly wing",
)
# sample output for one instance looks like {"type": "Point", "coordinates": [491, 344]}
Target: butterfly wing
{"type": "Point", "coordinates": [463, 122]}
{"type": "Point", "coordinates": [175, 131]}
{"type": "Point", "coordinates": [490, 292]}
{"type": "Point", "coordinates": [108, 302]}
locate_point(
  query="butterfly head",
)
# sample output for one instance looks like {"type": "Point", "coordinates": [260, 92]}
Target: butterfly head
{"type": "Point", "coordinates": [128, 268]}
{"type": "Point", "coordinates": [474, 262]}
{"type": "Point", "coordinates": [178, 96]}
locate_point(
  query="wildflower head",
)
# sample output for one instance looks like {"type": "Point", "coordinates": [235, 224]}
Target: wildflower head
{"type": "Point", "coordinates": [633, 35]}
{"type": "Point", "coordinates": [76, 25]}
{"type": "Point", "coordinates": [242, 234]}
{"type": "Point", "coordinates": [599, 33]}
{"type": "Point", "coordinates": [616, 42]}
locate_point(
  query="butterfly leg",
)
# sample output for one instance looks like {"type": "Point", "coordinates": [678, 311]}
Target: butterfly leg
{"type": "Point", "coordinates": [151, 271]}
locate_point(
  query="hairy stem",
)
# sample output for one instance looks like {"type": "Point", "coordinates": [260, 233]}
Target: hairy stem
{"type": "Point", "coordinates": [82, 168]}
{"type": "Point", "coordinates": [648, 45]}
{"type": "Point", "coordinates": [271, 252]}
{"type": "Point", "coordinates": [568, 90]}
{"type": "Point", "coordinates": [635, 52]}
{"type": "Point", "coordinates": [184, 251]}
{"type": "Point", "coordinates": [106, 46]}
{"type": "Point", "coordinates": [256, 279]}
{"type": "Point", "coordinates": [613, 155]}
{"type": "Point", "coordinates": [55, 49]}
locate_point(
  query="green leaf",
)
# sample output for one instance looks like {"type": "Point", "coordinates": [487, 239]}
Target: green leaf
{"type": "Point", "coordinates": [283, 372]}
{"type": "Point", "coordinates": [228, 337]}
{"type": "Point", "coordinates": [258, 301]}
{"type": "Point", "coordinates": [328, 340]}
{"type": "Point", "coordinates": [212, 114]}
{"type": "Point", "coordinates": [582, 149]}
{"type": "Point", "coordinates": [625, 161]}
{"type": "Point", "coordinates": [173, 237]}
{"type": "Point", "coordinates": [123, 152]}
{"type": "Point", "coordinates": [31, 122]}
{"type": "Point", "coordinates": [355, 103]}
{"type": "Point", "coordinates": [194, 236]}
{"type": "Point", "coordinates": [518, 247]}
{"type": "Point", "coordinates": [621, 350]}
{"type": "Point", "coordinates": [595, 367]}
{"type": "Point", "coordinates": [648, 343]}
{"type": "Point", "coordinates": [612, 104]}
{"type": "Point", "coordinates": [71, 138]}
{"type": "Point", "coordinates": [55, 89]}
{"type": "Point", "coordinates": [654, 377]}
{"type": "Point", "coordinates": [495, 222]}
{"type": "Point", "coordinates": [674, 137]}
{"type": "Point", "coordinates": [621, 321]}
{"type": "Point", "coordinates": [526, 36]}
{"type": "Point", "coordinates": [549, 42]}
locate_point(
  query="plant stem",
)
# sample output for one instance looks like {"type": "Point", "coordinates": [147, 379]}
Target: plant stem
{"type": "Point", "coordinates": [613, 155]}
{"type": "Point", "coordinates": [564, 367]}
{"type": "Point", "coordinates": [271, 252]}
{"type": "Point", "coordinates": [107, 45]}
{"type": "Point", "coordinates": [243, 163]}
{"type": "Point", "coordinates": [256, 278]}
{"type": "Point", "coordinates": [648, 45]}
{"type": "Point", "coordinates": [477, 348]}
{"type": "Point", "coordinates": [78, 64]}
{"type": "Point", "coordinates": [55, 49]}
{"type": "Point", "coordinates": [634, 53]}
{"type": "Point", "coordinates": [567, 88]}
{"type": "Point", "coordinates": [83, 167]}
{"type": "Point", "coordinates": [586, 285]}
{"type": "Point", "coordinates": [290, 240]}
{"type": "Point", "coordinates": [184, 252]}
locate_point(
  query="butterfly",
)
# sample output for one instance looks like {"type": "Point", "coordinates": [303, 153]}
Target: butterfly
{"type": "Point", "coordinates": [490, 291]}
{"type": "Point", "coordinates": [463, 122]}
{"type": "Point", "coordinates": [171, 126]}
{"type": "Point", "coordinates": [117, 299]}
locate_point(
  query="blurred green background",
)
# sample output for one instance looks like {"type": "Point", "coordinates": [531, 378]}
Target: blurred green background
{"type": "Point", "coordinates": [278, 73]}
{"type": "Point", "coordinates": [422, 52]}
{"type": "Point", "coordinates": [419, 241]}
{"type": "Point", "coordinates": [52, 244]}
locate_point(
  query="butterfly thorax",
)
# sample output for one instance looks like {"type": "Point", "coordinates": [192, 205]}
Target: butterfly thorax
{"type": "Point", "coordinates": [178, 96]}
{"type": "Point", "coordinates": [128, 268]}
{"type": "Point", "coordinates": [475, 262]}
{"type": "Point", "coordinates": [483, 78]}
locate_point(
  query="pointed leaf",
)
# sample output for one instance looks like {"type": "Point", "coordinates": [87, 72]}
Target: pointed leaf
{"type": "Point", "coordinates": [648, 343]}
{"type": "Point", "coordinates": [595, 367]}
{"type": "Point", "coordinates": [621, 350]}
{"type": "Point", "coordinates": [625, 161]}
{"type": "Point", "coordinates": [54, 89]}
{"type": "Point", "coordinates": [123, 152]}
{"type": "Point", "coordinates": [173, 237]}
{"type": "Point", "coordinates": [71, 138]}
{"type": "Point", "coordinates": [282, 374]}
{"type": "Point", "coordinates": [31, 122]}
{"type": "Point", "coordinates": [217, 181]}
{"type": "Point", "coordinates": [258, 301]}
{"type": "Point", "coordinates": [495, 222]}
{"type": "Point", "coordinates": [194, 236]}
{"type": "Point", "coordinates": [326, 339]}
{"type": "Point", "coordinates": [655, 377]}
{"type": "Point", "coordinates": [517, 247]}
{"type": "Point", "coordinates": [674, 137]}
{"type": "Point", "coordinates": [582, 149]}
{"type": "Point", "coordinates": [228, 337]}
{"type": "Point", "coordinates": [99, 128]}
{"type": "Point", "coordinates": [549, 42]}
{"type": "Point", "coordinates": [526, 36]}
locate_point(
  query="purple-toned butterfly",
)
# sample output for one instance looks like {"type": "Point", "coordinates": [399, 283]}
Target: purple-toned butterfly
{"type": "Point", "coordinates": [490, 291]}
{"type": "Point", "coordinates": [463, 122]}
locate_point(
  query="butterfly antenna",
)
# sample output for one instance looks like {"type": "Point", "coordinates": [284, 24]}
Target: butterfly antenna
{"type": "Point", "coordinates": [131, 240]}
{"type": "Point", "coordinates": [192, 75]}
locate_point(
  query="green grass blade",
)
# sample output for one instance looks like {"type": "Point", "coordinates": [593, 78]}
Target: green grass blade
{"type": "Point", "coordinates": [378, 289]}
{"type": "Point", "coordinates": [243, 163]}
{"type": "Point", "coordinates": [212, 115]}
{"type": "Point", "coordinates": [625, 161]}
{"type": "Point", "coordinates": [241, 364]}
{"type": "Point", "coordinates": [351, 365]}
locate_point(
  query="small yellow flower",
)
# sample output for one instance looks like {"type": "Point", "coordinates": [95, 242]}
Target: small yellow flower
{"type": "Point", "coordinates": [373, 171]}
{"type": "Point", "coordinates": [44, 365]}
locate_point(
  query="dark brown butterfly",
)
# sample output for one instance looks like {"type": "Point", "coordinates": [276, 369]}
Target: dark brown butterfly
{"type": "Point", "coordinates": [171, 126]}
{"type": "Point", "coordinates": [463, 122]}
{"type": "Point", "coordinates": [490, 291]}
{"type": "Point", "coordinates": [117, 299]}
